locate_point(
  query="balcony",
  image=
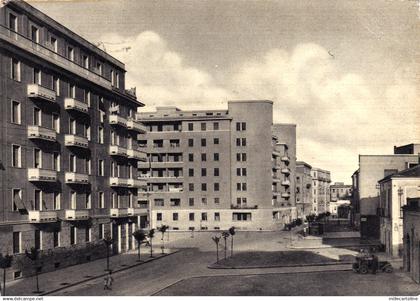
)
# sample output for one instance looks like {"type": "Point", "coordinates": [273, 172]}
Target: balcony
{"type": "Point", "coordinates": [117, 120]}
{"type": "Point", "coordinates": [118, 182]}
{"type": "Point", "coordinates": [118, 212]}
{"type": "Point", "coordinates": [115, 150]}
{"type": "Point", "coordinates": [134, 183]}
{"type": "Point", "coordinates": [276, 153]}
{"type": "Point", "coordinates": [40, 93]}
{"type": "Point", "coordinates": [73, 104]}
{"type": "Point", "coordinates": [39, 217]}
{"type": "Point", "coordinates": [77, 141]}
{"type": "Point", "coordinates": [138, 155]}
{"type": "Point", "coordinates": [243, 206]}
{"type": "Point", "coordinates": [41, 133]}
{"type": "Point", "coordinates": [285, 195]}
{"type": "Point", "coordinates": [286, 171]}
{"type": "Point", "coordinates": [175, 189]}
{"type": "Point", "coordinates": [285, 183]}
{"type": "Point", "coordinates": [76, 178]}
{"type": "Point", "coordinates": [136, 126]}
{"type": "Point", "coordinates": [136, 211]}
{"type": "Point", "coordinates": [77, 215]}
{"type": "Point", "coordinates": [285, 159]}
{"type": "Point", "coordinates": [41, 175]}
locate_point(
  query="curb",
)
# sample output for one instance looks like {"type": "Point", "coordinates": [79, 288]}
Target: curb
{"type": "Point", "coordinates": [104, 274]}
{"type": "Point", "coordinates": [219, 267]}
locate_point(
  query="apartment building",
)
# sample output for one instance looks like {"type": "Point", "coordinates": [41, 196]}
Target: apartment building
{"type": "Point", "coordinates": [68, 161]}
{"type": "Point", "coordinates": [214, 169]}
{"type": "Point", "coordinates": [303, 189]}
{"type": "Point", "coordinates": [365, 190]}
{"type": "Point", "coordinates": [340, 196]}
{"type": "Point", "coordinates": [320, 190]}
{"type": "Point", "coordinates": [411, 241]}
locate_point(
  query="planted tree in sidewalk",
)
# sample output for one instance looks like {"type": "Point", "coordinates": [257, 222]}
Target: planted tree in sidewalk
{"type": "Point", "coordinates": [151, 235]}
{"type": "Point", "coordinates": [5, 263]}
{"type": "Point", "coordinates": [232, 233]}
{"type": "Point", "coordinates": [225, 236]}
{"type": "Point", "coordinates": [216, 240]}
{"type": "Point", "coordinates": [139, 236]}
{"type": "Point", "coordinates": [34, 256]}
{"type": "Point", "coordinates": [162, 229]}
{"type": "Point", "coordinates": [108, 242]}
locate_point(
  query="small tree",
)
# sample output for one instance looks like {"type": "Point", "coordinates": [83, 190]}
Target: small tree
{"type": "Point", "coordinates": [232, 233]}
{"type": "Point", "coordinates": [216, 240]}
{"type": "Point", "coordinates": [108, 242]}
{"type": "Point", "coordinates": [162, 229]}
{"type": "Point", "coordinates": [225, 236]}
{"type": "Point", "coordinates": [34, 255]}
{"type": "Point", "coordinates": [151, 235]}
{"type": "Point", "coordinates": [5, 263]}
{"type": "Point", "coordinates": [139, 236]}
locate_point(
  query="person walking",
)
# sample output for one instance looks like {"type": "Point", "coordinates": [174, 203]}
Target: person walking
{"type": "Point", "coordinates": [108, 280]}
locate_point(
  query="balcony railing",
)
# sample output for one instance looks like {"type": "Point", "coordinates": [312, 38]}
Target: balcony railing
{"type": "Point", "coordinates": [73, 104]}
{"type": "Point", "coordinates": [136, 126]}
{"type": "Point", "coordinates": [37, 216]}
{"type": "Point", "coordinates": [175, 189]}
{"type": "Point", "coordinates": [38, 92]}
{"type": "Point", "coordinates": [77, 215]}
{"type": "Point", "coordinates": [243, 206]}
{"type": "Point", "coordinates": [138, 155]}
{"type": "Point", "coordinates": [285, 183]}
{"type": "Point", "coordinates": [285, 195]}
{"type": "Point", "coordinates": [74, 140]}
{"type": "Point", "coordinates": [115, 150]}
{"type": "Point", "coordinates": [76, 178]}
{"type": "Point", "coordinates": [285, 159]}
{"type": "Point", "coordinates": [117, 120]}
{"type": "Point", "coordinates": [41, 175]}
{"type": "Point", "coordinates": [285, 171]}
{"type": "Point", "coordinates": [41, 133]}
{"type": "Point", "coordinates": [118, 212]}
{"type": "Point", "coordinates": [136, 211]}
{"type": "Point", "coordinates": [118, 182]}
{"type": "Point", "coordinates": [134, 183]}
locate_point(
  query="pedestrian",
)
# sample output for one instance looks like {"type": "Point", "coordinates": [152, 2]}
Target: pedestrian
{"type": "Point", "coordinates": [375, 263]}
{"type": "Point", "coordinates": [108, 280]}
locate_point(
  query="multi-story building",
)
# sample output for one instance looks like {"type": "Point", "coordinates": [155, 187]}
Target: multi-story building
{"type": "Point", "coordinates": [218, 168]}
{"type": "Point", "coordinates": [68, 154]}
{"type": "Point", "coordinates": [321, 180]}
{"type": "Point", "coordinates": [340, 196]}
{"type": "Point", "coordinates": [303, 189]}
{"type": "Point", "coordinates": [365, 190]}
{"type": "Point", "coordinates": [411, 238]}
{"type": "Point", "coordinates": [394, 190]}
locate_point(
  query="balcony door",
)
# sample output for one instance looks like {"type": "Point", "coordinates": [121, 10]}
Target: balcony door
{"type": "Point", "coordinates": [37, 200]}
{"type": "Point", "coordinates": [37, 158]}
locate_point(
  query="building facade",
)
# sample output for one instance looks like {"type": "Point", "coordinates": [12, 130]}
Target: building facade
{"type": "Point", "coordinates": [218, 168]}
{"type": "Point", "coordinates": [69, 153]}
{"type": "Point", "coordinates": [321, 180]}
{"type": "Point", "coordinates": [340, 196]}
{"type": "Point", "coordinates": [365, 198]}
{"type": "Point", "coordinates": [394, 190]}
{"type": "Point", "coordinates": [411, 236]}
{"type": "Point", "coordinates": [304, 192]}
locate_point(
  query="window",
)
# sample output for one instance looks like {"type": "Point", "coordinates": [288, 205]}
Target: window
{"type": "Point", "coordinates": [117, 79]}
{"type": "Point", "coordinates": [36, 77]}
{"type": "Point", "coordinates": [37, 200]}
{"type": "Point", "coordinates": [216, 187]}
{"type": "Point", "coordinates": [87, 131]}
{"type": "Point", "coordinates": [203, 157]}
{"type": "Point", "coordinates": [37, 116]}
{"type": "Point", "coordinates": [57, 201]}
{"type": "Point", "coordinates": [215, 126]}
{"type": "Point", "coordinates": [191, 172]}
{"type": "Point", "coordinates": [159, 216]}
{"type": "Point", "coordinates": [34, 34]}
{"type": "Point", "coordinates": [56, 161]}
{"type": "Point", "coordinates": [217, 200]}
{"type": "Point", "coordinates": [54, 45]}
{"type": "Point", "coordinates": [190, 157]}
{"type": "Point", "coordinates": [101, 168]}
{"type": "Point", "coordinates": [56, 122]}
{"type": "Point", "coordinates": [243, 157]}
{"type": "Point", "coordinates": [72, 163]}
{"type": "Point", "coordinates": [216, 156]}
{"type": "Point", "coordinates": [204, 201]}
{"type": "Point", "coordinates": [112, 78]}
{"type": "Point", "coordinates": [244, 172]}
{"type": "Point", "coordinates": [85, 61]}
{"type": "Point", "coordinates": [159, 202]}
{"type": "Point", "coordinates": [203, 142]}
{"type": "Point", "coordinates": [15, 69]}
{"type": "Point", "coordinates": [56, 85]}
{"type": "Point", "coordinates": [190, 142]}
{"type": "Point", "coordinates": [204, 216]}
{"type": "Point", "coordinates": [216, 172]}
{"type": "Point", "coordinates": [203, 126]}
{"type": "Point", "coordinates": [16, 112]}
{"type": "Point", "coordinates": [101, 229]}
{"type": "Point", "coordinates": [99, 68]}
{"type": "Point", "coordinates": [175, 202]}
{"type": "Point", "coordinates": [203, 186]}
{"type": "Point", "coordinates": [100, 135]}
{"type": "Point", "coordinates": [13, 24]}
{"type": "Point", "coordinates": [88, 234]}
{"type": "Point", "coordinates": [240, 126]}
{"type": "Point", "coordinates": [70, 53]}
{"type": "Point", "coordinates": [56, 239]}
{"type": "Point", "coordinates": [17, 242]}
{"type": "Point", "coordinates": [16, 198]}
{"type": "Point", "coordinates": [238, 157]}
{"type": "Point", "coordinates": [191, 186]}
{"type": "Point", "coordinates": [88, 201]}
{"type": "Point", "coordinates": [243, 140]}
{"type": "Point", "coordinates": [16, 156]}
{"type": "Point", "coordinates": [238, 141]}
{"type": "Point", "coordinates": [73, 199]}
{"type": "Point", "coordinates": [37, 239]}
{"type": "Point", "coordinates": [215, 141]}
{"type": "Point", "coordinates": [73, 235]}
{"type": "Point", "coordinates": [101, 200]}
{"type": "Point", "coordinates": [72, 126]}
{"type": "Point", "coordinates": [175, 216]}
{"type": "Point", "coordinates": [191, 216]}
{"type": "Point", "coordinates": [37, 158]}
{"type": "Point", "coordinates": [191, 201]}
{"type": "Point", "coordinates": [217, 216]}
{"type": "Point", "coordinates": [241, 216]}
{"type": "Point", "coordinates": [243, 126]}
{"type": "Point", "coordinates": [203, 172]}
{"type": "Point", "coordinates": [190, 126]}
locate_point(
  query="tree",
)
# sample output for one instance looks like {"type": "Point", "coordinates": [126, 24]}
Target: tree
{"type": "Point", "coordinates": [34, 256]}
{"type": "Point", "coordinates": [225, 236]}
{"type": "Point", "coordinates": [163, 229]}
{"type": "Point", "coordinates": [216, 240]}
{"type": "Point", "coordinates": [232, 233]}
{"type": "Point", "coordinates": [5, 263]}
{"type": "Point", "coordinates": [151, 235]}
{"type": "Point", "coordinates": [108, 242]}
{"type": "Point", "coordinates": [139, 236]}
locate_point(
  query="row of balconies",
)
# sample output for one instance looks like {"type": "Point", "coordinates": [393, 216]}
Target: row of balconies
{"type": "Point", "coordinates": [285, 195]}
{"type": "Point", "coordinates": [38, 216]}
{"type": "Point", "coordinates": [116, 150]}
{"type": "Point", "coordinates": [130, 124]}
{"type": "Point", "coordinates": [46, 175]}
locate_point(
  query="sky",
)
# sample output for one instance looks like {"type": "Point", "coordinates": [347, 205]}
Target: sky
{"type": "Point", "coordinates": [346, 72]}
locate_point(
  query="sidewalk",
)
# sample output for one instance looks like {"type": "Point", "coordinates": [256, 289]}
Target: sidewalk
{"type": "Point", "coordinates": [67, 277]}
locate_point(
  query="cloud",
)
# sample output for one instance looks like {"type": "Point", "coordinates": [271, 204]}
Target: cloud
{"type": "Point", "coordinates": [339, 114]}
